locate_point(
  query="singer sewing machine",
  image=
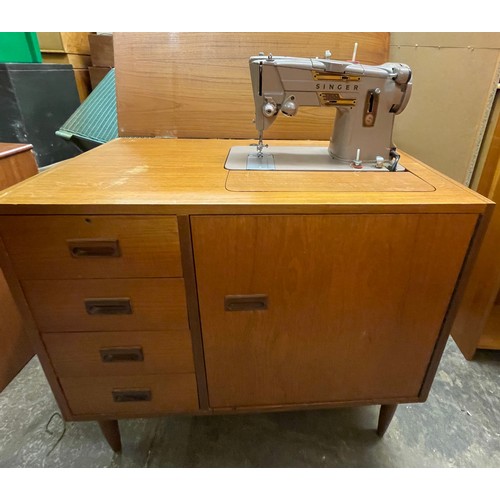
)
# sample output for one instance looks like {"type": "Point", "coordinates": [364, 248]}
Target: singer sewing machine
{"type": "Point", "coordinates": [367, 98]}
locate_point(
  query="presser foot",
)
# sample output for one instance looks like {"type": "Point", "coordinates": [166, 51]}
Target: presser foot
{"type": "Point", "coordinates": [260, 146]}
{"type": "Point", "coordinates": [259, 160]}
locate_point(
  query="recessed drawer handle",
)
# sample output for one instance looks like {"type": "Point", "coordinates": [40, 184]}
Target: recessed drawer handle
{"type": "Point", "coordinates": [255, 302]}
{"type": "Point", "coordinates": [131, 395]}
{"type": "Point", "coordinates": [108, 306]}
{"type": "Point", "coordinates": [94, 248]}
{"type": "Point", "coordinates": [117, 354]}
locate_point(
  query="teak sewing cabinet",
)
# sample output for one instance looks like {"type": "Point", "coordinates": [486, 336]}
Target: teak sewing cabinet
{"type": "Point", "coordinates": [152, 280]}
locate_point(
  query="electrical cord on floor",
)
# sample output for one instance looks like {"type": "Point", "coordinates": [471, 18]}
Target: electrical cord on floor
{"type": "Point", "coordinates": [148, 458]}
{"type": "Point", "coordinates": [48, 431]}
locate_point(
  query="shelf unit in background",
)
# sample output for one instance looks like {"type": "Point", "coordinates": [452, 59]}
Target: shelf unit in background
{"type": "Point", "coordinates": [69, 48]}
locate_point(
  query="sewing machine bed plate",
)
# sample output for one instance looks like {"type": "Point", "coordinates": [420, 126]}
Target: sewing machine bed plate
{"type": "Point", "coordinates": [293, 158]}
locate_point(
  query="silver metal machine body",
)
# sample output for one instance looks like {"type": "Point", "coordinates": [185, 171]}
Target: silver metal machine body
{"type": "Point", "coordinates": [366, 98]}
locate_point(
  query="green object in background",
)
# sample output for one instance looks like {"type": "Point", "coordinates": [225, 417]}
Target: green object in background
{"type": "Point", "coordinates": [95, 121]}
{"type": "Point", "coordinates": [17, 47]}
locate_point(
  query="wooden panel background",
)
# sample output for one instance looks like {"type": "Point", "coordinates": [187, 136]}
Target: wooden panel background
{"type": "Point", "coordinates": [198, 84]}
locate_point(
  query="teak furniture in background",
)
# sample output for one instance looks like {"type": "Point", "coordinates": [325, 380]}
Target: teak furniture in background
{"type": "Point", "coordinates": [16, 164]}
{"type": "Point", "coordinates": [102, 55]}
{"type": "Point", "coordinates": [478, 320]}
{"type": "Point", "coordinates": [69, 47]}
{"type": "Point", "coordinates": [154, 284]}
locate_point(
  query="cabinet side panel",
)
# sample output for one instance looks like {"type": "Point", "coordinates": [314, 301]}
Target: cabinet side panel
{"type": "Point", "coordinates": [353, 308]}
{"type": "Point", "coordinates": [15, 347]}
{"type": "Point", "coordinates": [32, 330]}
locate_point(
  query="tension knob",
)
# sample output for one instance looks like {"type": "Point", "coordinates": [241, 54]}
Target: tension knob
{"type": "Point", "coordinates": [269, 109]}
{"type": "Point", "coordinates": [289, 107]}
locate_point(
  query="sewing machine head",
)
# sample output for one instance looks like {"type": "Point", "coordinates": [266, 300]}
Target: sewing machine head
{"type": "Point", "coordinates": [366, 97]}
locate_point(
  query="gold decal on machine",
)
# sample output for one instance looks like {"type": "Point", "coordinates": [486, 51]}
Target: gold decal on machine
{"type": "Point", "coordinates": [335, 99]}
{"type": "Point", "coordinates": [335, 76]}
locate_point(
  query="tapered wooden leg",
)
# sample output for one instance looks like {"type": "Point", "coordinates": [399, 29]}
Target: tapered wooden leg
{"type": "Point", "coordinates": [111, 432]}
{"type": "Point", "coordinates": [385, 417]}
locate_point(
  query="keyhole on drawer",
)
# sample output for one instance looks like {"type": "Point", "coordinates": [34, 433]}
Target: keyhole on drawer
{"type": "Point", "coordinates": [88, 221]}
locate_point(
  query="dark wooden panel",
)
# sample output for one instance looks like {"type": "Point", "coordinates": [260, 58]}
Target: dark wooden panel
{"type": "Point", "coordinates": [97, 74]}
{"type": "Point", "coordinates": [101, 50]}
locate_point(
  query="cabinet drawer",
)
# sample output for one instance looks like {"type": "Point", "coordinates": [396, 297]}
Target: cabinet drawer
{"type": "Point", "coordinates": [107, 304]}
{"type": "Point", "coordinates": [131, 396]}
{"type": "Point", "coordinates": [120, 353]}
{"type": "Point", "coordinates": [51, 247]}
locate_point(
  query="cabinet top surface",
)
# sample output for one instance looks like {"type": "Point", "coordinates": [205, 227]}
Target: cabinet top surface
{"type": "Point", "coordinates": [183, 176]}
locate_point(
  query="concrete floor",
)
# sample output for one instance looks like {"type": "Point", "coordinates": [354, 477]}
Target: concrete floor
{"type": "Point", "coordinates": [459, 426]}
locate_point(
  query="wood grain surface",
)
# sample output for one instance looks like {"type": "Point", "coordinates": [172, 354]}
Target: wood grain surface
{"type": "Point", "coordinates": [17, 163]}
{"type": "Point", "coordinates": [355, 303]}
{"type": "Point", "coordinates": [187, 176]}
{"type": "Point", "coordinates": [473, 319]}
{"type": "Point", "coordinates": [78, 61]}
{"type": "Point", "coordinates": [75, 42]}
{"type": "Point", "coordinates": [82, 80]}
{"type": "Point", "coordinates": [58, 305]}
{"type": "Point", "coordinates": [491, 169]}
{"type": "Point", "coordinates": [169, 393]}
{"type": "Point", "coordinates": [193, 308]}
{"type": "Point", "coordinates": [12, 148]}
{"type": "Point", "coordinates": [490, 336]}
{"type": "Point", "coordinates": [97, 74]}
{"type": "Point", "coordinates": [39, 248]}
{"type": "Point", "coordinates": [15, 346]}
{"type": "Point", "coordinates": [198, 84]}
{"type": "Point", "coordinates": [101, 50]}
{"type": "Point", "coordinates": [78, 354]}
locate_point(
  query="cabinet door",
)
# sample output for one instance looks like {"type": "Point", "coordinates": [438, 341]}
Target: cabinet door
{"type": "Point", "coordinates": [352, 310]}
